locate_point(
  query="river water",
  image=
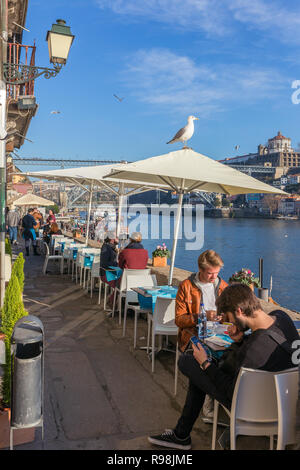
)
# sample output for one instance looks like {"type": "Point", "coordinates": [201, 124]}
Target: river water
{"type": "Point", "coordinates": [240, 243]}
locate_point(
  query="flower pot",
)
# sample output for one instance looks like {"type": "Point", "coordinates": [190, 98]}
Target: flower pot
{"type": "Point", "coordinates": [20, 436]}
{"type": "Point", "coordinates": [159, 261]}
{"type": "Point", "coordinates": [252, 287]}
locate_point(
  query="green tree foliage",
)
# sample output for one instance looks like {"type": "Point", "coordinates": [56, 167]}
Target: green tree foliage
{"type": "Point", "coordinates": [18, 270]}
{"type": "Point", "coordinates": [8, 249]}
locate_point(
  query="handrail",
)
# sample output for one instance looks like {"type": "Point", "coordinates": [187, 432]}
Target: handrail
{"type": "Point", "coordinates": [19, 54]}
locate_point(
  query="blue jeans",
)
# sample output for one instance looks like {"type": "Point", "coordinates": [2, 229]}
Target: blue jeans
{"type": "Point", "coordinates": [13, 233]}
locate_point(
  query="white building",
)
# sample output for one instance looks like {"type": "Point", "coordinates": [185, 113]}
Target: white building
{"type": "Point", "coordinates": [279, 143]}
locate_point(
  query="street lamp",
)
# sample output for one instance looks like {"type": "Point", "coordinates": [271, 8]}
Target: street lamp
{"type": "Point", "coordinates": [59, 42]}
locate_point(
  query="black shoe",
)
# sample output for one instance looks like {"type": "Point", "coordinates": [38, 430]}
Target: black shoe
{"type": "Point", "coordinates": [169, 439]}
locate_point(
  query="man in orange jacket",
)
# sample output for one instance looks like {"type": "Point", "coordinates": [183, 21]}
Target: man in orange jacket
{"type": "Point", "coordinates": [201, 287]}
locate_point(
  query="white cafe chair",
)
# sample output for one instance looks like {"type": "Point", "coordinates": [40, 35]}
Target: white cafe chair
{"type": "Point", "coordinates": [162, 321]}
{"type": "Point", "coordinates": [131, 299]}
{"type": "Point", "coordinates": [49, 257]}
{"type": "Point", "coordinates": [121, 290]}
{"type": "Point", "coordinates": [263, 404]}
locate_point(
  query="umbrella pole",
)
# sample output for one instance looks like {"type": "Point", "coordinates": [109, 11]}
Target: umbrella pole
{"type": "Point", "coordinates": [89, 215]}
{"type": "Point", "coordinates": [177, 223]}
{"type": "Point", "coordinates": [121, 197]}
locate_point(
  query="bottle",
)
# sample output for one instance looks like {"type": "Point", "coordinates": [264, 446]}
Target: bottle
{"type": "Point", "coordinates": [202, 322]}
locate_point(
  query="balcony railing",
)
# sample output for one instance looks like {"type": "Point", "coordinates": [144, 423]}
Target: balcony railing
{"type": "Point", "coordinates": [19, 54]}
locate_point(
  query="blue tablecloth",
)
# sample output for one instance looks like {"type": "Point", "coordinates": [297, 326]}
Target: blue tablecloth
{"type": "Point", "coordinates": [113, 275]}
{"type": "Point", "coordinates": [147, 303]}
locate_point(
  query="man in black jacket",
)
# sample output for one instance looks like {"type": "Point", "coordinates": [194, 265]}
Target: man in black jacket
{"type": "Point", "coordinates": [268, 347]}
{"type": "Point", "coordinates": [28, 224]}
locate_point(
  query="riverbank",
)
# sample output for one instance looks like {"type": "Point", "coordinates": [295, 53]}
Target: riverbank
{"type": "Point", "coordinates": [239, 213]}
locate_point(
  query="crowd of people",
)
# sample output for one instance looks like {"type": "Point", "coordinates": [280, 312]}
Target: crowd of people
{"type": "Point", "coordinates": [30, 227]}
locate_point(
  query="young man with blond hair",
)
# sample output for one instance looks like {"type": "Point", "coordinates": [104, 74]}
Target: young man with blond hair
{"type": "Point", "coordinates": [204, 287]}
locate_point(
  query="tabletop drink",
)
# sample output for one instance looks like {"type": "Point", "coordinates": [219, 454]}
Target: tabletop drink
{"type": "Point", "coordinates": [202, 322]}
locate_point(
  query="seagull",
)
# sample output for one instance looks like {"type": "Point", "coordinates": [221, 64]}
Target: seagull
{"type": "Point", "coordinates": [237, 148]}
{"type": "Point", "coordinates": [184, 134]}
{"type": "Point", "coordinates": [55, 112]}
{"type": "Point", "coordinates": [119, 99]}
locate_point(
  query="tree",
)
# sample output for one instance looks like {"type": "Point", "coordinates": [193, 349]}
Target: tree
{"type": "Point", "coordinates": [271, 202]}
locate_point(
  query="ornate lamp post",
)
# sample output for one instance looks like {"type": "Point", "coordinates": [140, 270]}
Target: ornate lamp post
{"type": "Point", "coordinates": [59, 43]}
{"type": "Point", "coordinates": [59, 40]}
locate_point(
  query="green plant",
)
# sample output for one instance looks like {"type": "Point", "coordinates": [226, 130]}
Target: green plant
{"type": "Point", "coordinates": [8, 249]}
{"type": "Point", "coordinates": [245, 276]}
{"type": "Point", "coordinates": [13, 309]}
{"type": "Point", "coordinates": [54, 208]}
{"type": "Point", "coordinates": [161, 251]}
{"type": "Point", "coordinates": [18, 270]}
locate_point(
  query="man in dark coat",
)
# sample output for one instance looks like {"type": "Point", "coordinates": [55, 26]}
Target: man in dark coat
{"type": "Point", "coordinates": [28, 224]}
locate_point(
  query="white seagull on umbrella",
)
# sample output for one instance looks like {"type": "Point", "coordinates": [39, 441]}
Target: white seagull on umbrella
{"type": "Point", "coordinates": [184, 134]}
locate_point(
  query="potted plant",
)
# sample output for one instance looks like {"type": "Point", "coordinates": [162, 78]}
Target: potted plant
{"type": "Point", "coordinates": [160, 255]}
{"type": "Point", "coordinates": [245, 276]}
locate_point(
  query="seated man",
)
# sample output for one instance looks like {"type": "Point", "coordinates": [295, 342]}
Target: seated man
{"type": "Point", "coordinates": [268, 348]}
{"type": "Point", "coordinates": [201, 287]}
{"type": "Point", "coordinates": [109, 253]}
{"type": "Point", "coordinates": [134, 256]}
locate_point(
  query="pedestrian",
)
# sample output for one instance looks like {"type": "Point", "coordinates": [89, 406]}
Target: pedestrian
{"type": "Point", "coordinates": [13, 219]}
{"type": "Point", "coordinates": [28, 224]}
{"type": "Point", "coordinates": [51, 217]}
{"type": "Point", "coordinates": [39, 219]}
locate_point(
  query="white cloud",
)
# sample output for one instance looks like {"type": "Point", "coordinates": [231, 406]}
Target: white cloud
{"type": "Point", "coordinates": [204, 15]}
{"type": "Point", "coordinates": [215, 17]}
{"type": "Point", "coordinates": [170, 82]}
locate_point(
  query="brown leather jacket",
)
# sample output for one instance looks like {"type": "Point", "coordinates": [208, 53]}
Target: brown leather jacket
{"type": "Point", "coordinates": [187, 307]}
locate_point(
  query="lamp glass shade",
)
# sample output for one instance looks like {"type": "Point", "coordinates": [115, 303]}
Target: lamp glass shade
{"type": "Point", "coordinates": [59, 42]}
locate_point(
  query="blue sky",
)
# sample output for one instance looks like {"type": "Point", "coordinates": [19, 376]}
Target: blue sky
{"type": "Point", "coordinates": [229, 62]}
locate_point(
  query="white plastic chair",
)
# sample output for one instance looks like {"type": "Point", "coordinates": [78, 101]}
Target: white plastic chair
{"type": "Point", "coordinates": [286, 384]}
{"type": "Point", "coordinates": [49, 257]}
{"type": "Point", "coordinates": [88, 269]}
{"type": "Point", "coordinates": [79, 265]}
{"type": "Point", "coordinates": [163, 322]}
{"type": "Point", "coordinates": [131, 299]}
{"type": "Point", "coordinates": [254, 408]}
{"type": "Point", "coordinates": [121, 290]}
{"type": "Point", "coordinates": [54, 243]}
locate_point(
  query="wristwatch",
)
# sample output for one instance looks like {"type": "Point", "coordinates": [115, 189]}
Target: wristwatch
{"type": "Point", "coordinates": [204, 364]}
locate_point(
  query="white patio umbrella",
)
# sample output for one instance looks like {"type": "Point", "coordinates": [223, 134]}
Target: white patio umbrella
{"type": "Point", "coordinates": [93, 176]}
{"type": "Point", "coordinates": [30, 199]}
{"type": "Point", "coordinates": [185, 171]}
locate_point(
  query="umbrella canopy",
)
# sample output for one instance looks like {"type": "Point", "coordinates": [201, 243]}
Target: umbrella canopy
{"type": "Point", "coordinates": [184, 171]}
{"type": "Point", "coordinates": [93, 176]}
{"type": "Point", "coordinates": [30, 199]}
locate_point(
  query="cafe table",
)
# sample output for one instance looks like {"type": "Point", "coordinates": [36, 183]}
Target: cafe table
{"type": "Point", "coordinates": [147, 297]}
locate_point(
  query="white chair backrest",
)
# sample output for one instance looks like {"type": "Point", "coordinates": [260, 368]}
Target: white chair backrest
{"type": "Point", "coordinates": [254, 398]}
{"type": "Point", "coordinates": [131, 272]}
{"type": "Point", "coordinates": [164, 312]}
{"type": "Point", "coordinates": [96, 267]}
{"type": "Point", "coordinates": [138, 281]}
{"type": "Point", "coordinates": [47, 249]}
{"type": "Point", "coordinates": [286, 384]}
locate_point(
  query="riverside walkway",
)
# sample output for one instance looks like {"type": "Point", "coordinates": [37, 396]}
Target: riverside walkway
{"type": "Point", "coordinates": [100, 393]}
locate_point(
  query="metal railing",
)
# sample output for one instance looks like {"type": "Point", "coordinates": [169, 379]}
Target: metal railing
{"type": "Point", "coordinates": [20, 54]}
